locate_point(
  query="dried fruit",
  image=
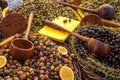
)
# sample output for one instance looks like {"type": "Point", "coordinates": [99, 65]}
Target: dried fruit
{"type": "Point", "coordinates": [62, 50]}
{"type": "Point", "coordinates": [3, 61]}
{"type": "Point", "coordinates": [66, 73]}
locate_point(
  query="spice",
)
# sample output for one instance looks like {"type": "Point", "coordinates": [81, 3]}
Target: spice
{"type": "Point", "coordinates": [109, 61]}
{"type": "Point", "coordinates": [44, 10]}
{"type": "Point", "coordinates": [40, 65]}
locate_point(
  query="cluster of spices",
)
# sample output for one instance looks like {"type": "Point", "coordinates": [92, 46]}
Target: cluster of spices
{"type": "Point", "coordinates": [105, 35]}
{"type": "Point", "coordinates": [44, 10]}
{"type": "Point", "coordinates": [43, 65]}
{"type": "Point", "coordinates": [103, 71]}
{"type": "Point", "coordinates": [94, 4]}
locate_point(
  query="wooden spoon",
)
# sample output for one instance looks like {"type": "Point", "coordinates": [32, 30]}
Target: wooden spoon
{"type": "Point", "coordinates": [22, 49]}
{"type": "Point", "coordinates": [91, 19]}
{"type": "Point", "coordinates": [13, 23]}
{"type": "Point", "coordinates": [96, 47]}
{"type": "Point", "coordinates": [105, 11]}
{"type": "Point", "coordinates": [96, 20]}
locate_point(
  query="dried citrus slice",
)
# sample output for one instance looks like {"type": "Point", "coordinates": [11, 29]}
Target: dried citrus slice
{"type": "Point", "coordinates": [3, 61]}
{"type": "Point", "coordinates": [66, 73]}
{"type": "Point", "coordinates": [62, 50]}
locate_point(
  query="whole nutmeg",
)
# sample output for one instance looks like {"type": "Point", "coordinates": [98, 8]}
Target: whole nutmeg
{"type": "Point", "coordinates": [23, 76]}
{"type": "Point", "coordinates": [42, 77]}
{"type": "Point", "coordinates": [42, 59]}
{"type": "Point", "coordinates": [43, 68]}
{"type": "Point", "coordinates": [41, 64]}
{"type": "Point", "coordinates": [46, 77]}
{"type": "Point", "coordinates": [36, 43]}
{"type": "Point", "coordinates": [42, 71]}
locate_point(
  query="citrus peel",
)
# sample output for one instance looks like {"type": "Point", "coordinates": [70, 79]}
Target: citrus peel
{"type": "Point", "coordinates": [62, 50]}
{"type": "Point", "coordinates": [3, 61]}
{"type": "Point", "coordinates": [66, 73]}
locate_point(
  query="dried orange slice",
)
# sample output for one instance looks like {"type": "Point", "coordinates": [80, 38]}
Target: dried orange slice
{"type": "Point", "coordinates": [3, 61]}
{"type": "Point", "coordinates": [62, 50]}
{"type": "Point", "coordinates": [66, 73]}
